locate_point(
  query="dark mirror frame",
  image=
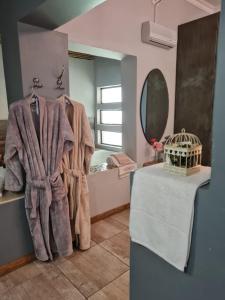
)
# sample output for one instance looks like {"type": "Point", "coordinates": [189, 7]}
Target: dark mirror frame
{"type": "Point", "coordinates": [163, 106]}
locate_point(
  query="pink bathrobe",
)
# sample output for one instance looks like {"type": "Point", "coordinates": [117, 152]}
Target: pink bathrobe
{"type": "Point", "coordinates": [75, 167]}
{"type": "Point", "coordinates": [35, 143]}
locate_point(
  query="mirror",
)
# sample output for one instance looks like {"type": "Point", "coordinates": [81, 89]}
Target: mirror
{"type": "Point", "coordinates": [4, 108]}
{"type": "Point", "coordinates": [92, 75]}
{"type": "Point", "coordinates": [3, 97]}
{"type": "Point", "coordinates": [154, 106]}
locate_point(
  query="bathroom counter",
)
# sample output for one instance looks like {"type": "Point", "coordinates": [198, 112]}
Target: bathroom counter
{"type": "Point", "coordinates": [9, 197]}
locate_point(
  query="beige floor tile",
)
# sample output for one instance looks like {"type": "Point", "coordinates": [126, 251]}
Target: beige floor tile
{"type": "Point", "coordinates": [48, 268]}
{"type": "Point", "coordinates": [122, 217]}
{"type": "Point", "coordinates": [65, 288]}
{"type": "Point", "coordinates": [78, 277]}
{"type": "Point", "coordinates": [24, 273]}
{"type": "Point", "coordinates": [105, 229]}
{"type": "Point", "coordinates": [41, 287]}
{"type": "Point", "coordinates": [92, 270]}
{"type": "Point", "coordinates": [119, 245]}
{"type": "Point", "coordinates": [18, 276]}
{"type": "Point", "coordinates": [60, 260]}
{"type": "Point", "coordinates": [116, 290]}
{"type": "Point", "coordinates": [17, 293]}
{"type": "Point", "coordinates": [6, 283]}
{"type": "Point", "coordinates": [93, 243]}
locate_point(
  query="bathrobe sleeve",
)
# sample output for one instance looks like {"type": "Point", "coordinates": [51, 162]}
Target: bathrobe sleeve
{"type": "Point", "coordinates": [88, 141]}
{"type": "Point", "coordinates": [14, 177]}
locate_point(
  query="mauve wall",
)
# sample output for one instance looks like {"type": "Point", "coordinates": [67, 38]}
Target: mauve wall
{"type": "Point", "coordinates": [43, 53]}
{"type": "Point", "coordinates": [116, 25]}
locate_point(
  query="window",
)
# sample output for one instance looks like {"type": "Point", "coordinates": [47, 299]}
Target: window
{"type": "Point", "coordinates": [112, 138]}
{"type": "Point", "coordinates": [109, 117]}
{"type": "Point", "coordinates": [111, 94]}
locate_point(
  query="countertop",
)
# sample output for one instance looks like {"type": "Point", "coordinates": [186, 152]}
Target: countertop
{"type": "Point", "coordinates": [9, 197]}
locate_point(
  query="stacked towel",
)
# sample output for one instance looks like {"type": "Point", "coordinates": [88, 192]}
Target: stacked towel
{"type": "Point", "coordinates": [123, 162]}
{"type": "Point", "coordinates": [162, 211]}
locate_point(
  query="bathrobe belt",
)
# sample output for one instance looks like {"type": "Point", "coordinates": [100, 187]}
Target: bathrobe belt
{"type": "Point", "coordinates": [77, 174]}
{"type": "Point", "coordinates": [47, 184]}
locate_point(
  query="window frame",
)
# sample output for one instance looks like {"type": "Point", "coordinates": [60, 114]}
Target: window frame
{"type": "Point", "coordinates": [99, 127]}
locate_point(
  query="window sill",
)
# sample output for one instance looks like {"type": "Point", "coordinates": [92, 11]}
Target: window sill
{"type": "Point", "coordinates": [110, 148]}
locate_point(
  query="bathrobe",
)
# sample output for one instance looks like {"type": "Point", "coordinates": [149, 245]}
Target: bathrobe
{"type": "Point", "coordinates": [75, 167]}
{"type": "Point", "coordinates": [37, 138]}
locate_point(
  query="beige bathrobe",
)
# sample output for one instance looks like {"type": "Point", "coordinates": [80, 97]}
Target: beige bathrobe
{"type": "Point", "coordinates": [35, 143]}
{"type": "Point", "coordinates": [75, 167]}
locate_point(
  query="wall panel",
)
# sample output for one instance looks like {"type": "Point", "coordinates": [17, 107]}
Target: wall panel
{"type": "Point", "coordinates": [195, 79]}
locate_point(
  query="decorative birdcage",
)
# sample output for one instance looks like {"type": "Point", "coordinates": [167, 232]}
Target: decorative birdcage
{"type": "Point", "coordinates": [183, 153]}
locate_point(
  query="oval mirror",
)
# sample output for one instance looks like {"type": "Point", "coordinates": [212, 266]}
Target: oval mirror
{"type": "Point", "coordinates": [154, 105]}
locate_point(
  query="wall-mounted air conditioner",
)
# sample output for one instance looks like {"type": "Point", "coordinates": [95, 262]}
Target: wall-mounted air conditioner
{"type": "Point", "coordinates": [158, 35]}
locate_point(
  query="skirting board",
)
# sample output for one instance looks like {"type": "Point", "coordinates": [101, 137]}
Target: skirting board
{"type": "Point", "coordinates": [30, 257]}
{"type": "Point", "coordinates": [109, 213]}
{"type": "Point", "coordinates": [20, 262]}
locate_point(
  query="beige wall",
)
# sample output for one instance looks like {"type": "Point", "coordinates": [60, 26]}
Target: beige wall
{"type": "Point", "coordinates": [107, 191]}
{"type": "Point", "coordinates": [116, 25]}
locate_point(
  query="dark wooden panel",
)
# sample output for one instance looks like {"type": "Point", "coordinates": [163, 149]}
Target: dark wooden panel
{"type": "Point", "coordinates": [195, 79]}
{"type": "Point", "coordinates": [80, 55]}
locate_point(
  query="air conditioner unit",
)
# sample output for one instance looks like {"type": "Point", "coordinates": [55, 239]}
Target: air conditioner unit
{"type": "Point", "coordinates": [158, 35]}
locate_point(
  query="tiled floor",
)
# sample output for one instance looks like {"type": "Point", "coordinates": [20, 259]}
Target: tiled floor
{"type": "Point", "coordinates": [101, 273]}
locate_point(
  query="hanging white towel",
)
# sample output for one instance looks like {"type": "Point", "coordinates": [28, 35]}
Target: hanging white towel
{"type": "Point", "coordinates": [162, 211]}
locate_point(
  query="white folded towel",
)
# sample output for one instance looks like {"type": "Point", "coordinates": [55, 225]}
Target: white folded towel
{"type": "Point", "coordinates": [162, 211]}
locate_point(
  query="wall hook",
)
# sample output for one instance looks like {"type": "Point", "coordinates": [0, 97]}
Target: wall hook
{"type": "Point", "coordinates": [59, 81]}
{"type": "Point", "coordinates": [36, 83]}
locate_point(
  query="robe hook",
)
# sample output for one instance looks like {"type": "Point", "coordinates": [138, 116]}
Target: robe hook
{"type": "Point", "coordinates": [36, 83]}
{"type": "Point", "coordinates": [59, 81]}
